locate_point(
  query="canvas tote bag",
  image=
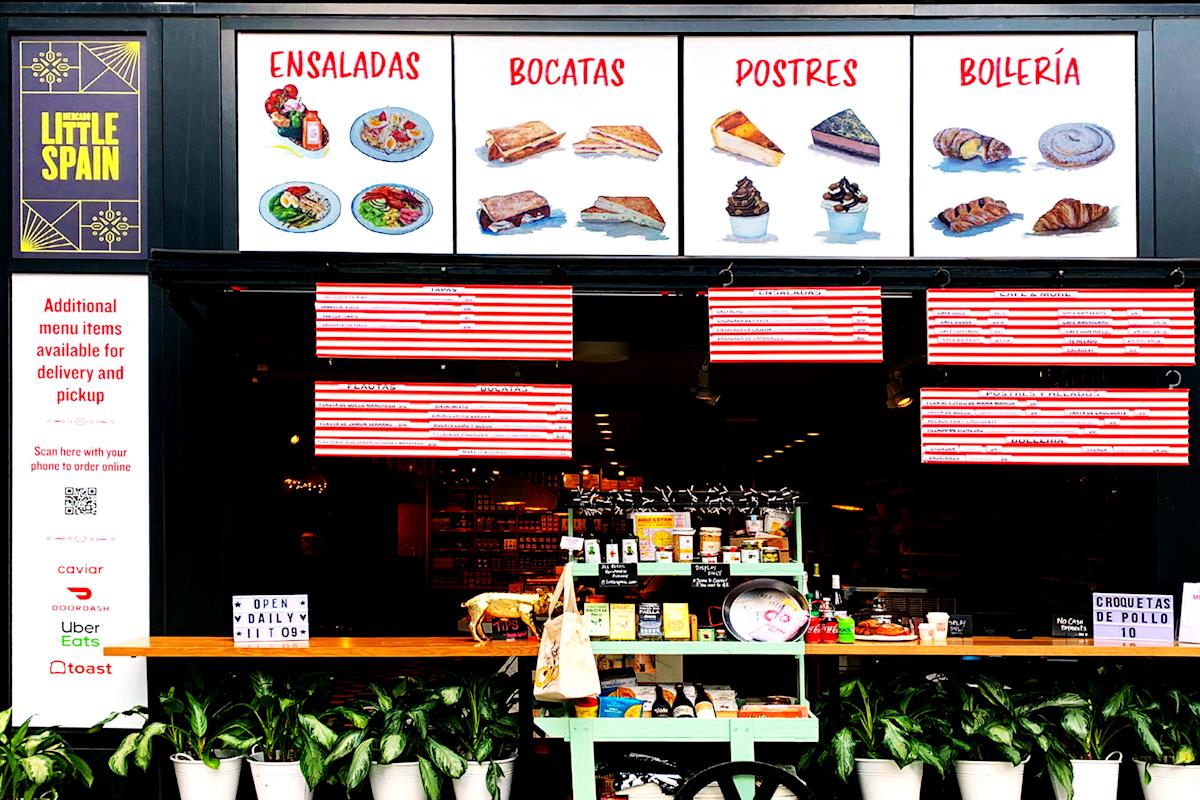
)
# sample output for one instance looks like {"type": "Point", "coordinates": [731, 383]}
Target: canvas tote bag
{"type": "Point", "coordinates": [566, 666]}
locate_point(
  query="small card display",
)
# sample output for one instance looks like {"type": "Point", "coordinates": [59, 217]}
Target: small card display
{"type": "Point", "coordinates": [509, 629]}
{"type": "Point", "coordinates": [1189, 614]}
{"type": "Point", "coordinates": [277, 618]}
{"type": "Point", "coordinates": [710, 576]}
{"type": "Point", "coordinates": [962, 625]}
{"type": "Point", "coordinates": [1069, 626]}
{"type": "Point", "coordinates": [1133, 617]}
{"type": "Point", "coordinates": [618, 576]}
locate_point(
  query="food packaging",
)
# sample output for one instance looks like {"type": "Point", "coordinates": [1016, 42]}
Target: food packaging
{"type": "Point", "coordinates": [591, 551]}
{"type": "Point", "coordinates": [612, 553]}
{"type": "Point", "coordinates": [665, 555]}
{"type": "Point", "coordinates": [941, 625]}
{"type": "Point", "coordinates": [650, 621]}
{"type": "Point", "coordinates": [653, 530]}
{"type": "Point", "coordinates": [774, 520]}
{"type": "Point", "coordinates": [769, 710]}
{"type": "Point", "coordinates": [587, 707]}
{"type": "Point", "coordinates": [750, 555]}
{"type": "Point", "coordinates": [710, 541]}
{"type": "Point", "coordinates": [731, 555]}
{"type": "Point", "coordinates": [597, 619]}
{"type": "Point", "coordinates": [684, 541]}
{"type": "Point", "coordinates": [620, 707]}
{"type": "Point", "coordinates": [629, 551]}
{"type": "Point", "coordinates": [622, 622]}
{"type": "Point", "coordinates": [675, 621]}
{"type": "Point", "coordinates": [925, 631]}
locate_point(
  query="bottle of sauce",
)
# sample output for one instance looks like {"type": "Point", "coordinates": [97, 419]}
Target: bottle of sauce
{"type": "Point", "coordinates": [682, 707]}
{"type": "Point", "coordinates": [705, 708]}
{"type": "Point", "coordinates": [661, 707]}
{"type": "Point", "coordinates": [310, 126]}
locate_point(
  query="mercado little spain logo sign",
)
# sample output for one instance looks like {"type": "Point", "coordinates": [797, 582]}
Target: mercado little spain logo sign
{"type": "Point", "coordinates": [79, 126]}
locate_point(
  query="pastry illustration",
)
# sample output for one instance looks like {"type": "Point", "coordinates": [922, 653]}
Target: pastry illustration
{"type": "Point", "coordinates": [748, 212]}
{"type": "Point", "coordinates": [638, 210]}
{"type": "Point", "coordinates": [1075, 145]}
{"type": "Point", "coordinates": [507, 211]}
{"type": "Point", "coordinates": [626, 140]}
{"type": "Point", "coordinates": [845, 132]}
{"type": "Point", "coordinates": [973, 214]}
{"type": "Point", "coordinates": [521, 141]}
{"type": "Point", "coordinates": [846, 207]}
{"type": "Point", "coordinates": [965, 144]}
{"type": "Point", "coordinates": [735, 133]}
{"type": "Point", "coordinates": [1070, 215]}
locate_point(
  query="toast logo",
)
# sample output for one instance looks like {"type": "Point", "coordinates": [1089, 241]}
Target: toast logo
{"type": "Point", "coordinates": [69, 668]}
{"type": "Point", "coordinates": [80, 592]}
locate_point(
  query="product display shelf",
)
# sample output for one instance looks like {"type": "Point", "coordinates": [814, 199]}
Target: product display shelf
{"type": "Point", "coordinates": [581, 734]}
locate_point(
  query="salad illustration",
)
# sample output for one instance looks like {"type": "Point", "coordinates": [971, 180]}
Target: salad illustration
{"type": "Point", "coordinates": [287, 112]}
{"type": "Point", "coordinates": [391, 134]}
{"type": "Point", "coordinates": [299, 207]}
{"type": "Point", "coordinates": [392, 208]}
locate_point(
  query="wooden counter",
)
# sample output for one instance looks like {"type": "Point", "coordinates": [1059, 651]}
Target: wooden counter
{"type": "Point", "coordinates": [1004, 646]}
{"type": "Point", "coordinates": [463, 647]}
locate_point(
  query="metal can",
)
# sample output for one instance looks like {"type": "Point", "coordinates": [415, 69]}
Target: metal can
{"type": "Point", "coordinates": [770, 555]}
{"type": "Point", "coordinates": [731, 555]}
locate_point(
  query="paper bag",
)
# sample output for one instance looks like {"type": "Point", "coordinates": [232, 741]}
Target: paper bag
{"type": "Point", "coordinates": [1189, 614]}
{"type": "Point", "coordinates": [566, 666]}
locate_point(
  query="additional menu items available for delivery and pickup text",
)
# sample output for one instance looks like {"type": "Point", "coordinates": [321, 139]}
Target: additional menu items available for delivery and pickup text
{"type": "Point", "coordinates": [1062, 326]}
{"type": "Point", "coordinates": [826, 324]}
{"type": "Point", "coordinates": [1040, 133]}
{"type": "Point", "coordinates": [444, 321]}
{"type": "Point", "coordinates": [566, 145]}
{"type": "Point", "coordinates": [442, 420]}
{"type": "Point", "coordinates": [1055, 426]}
{"type": "Point", "coordinates": [355, 121]}
{"type": "Point", "coordinates": [777, 123]}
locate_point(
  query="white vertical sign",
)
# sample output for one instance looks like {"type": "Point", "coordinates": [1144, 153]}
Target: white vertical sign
{"type": "Point", "coordinates": [80, 494]}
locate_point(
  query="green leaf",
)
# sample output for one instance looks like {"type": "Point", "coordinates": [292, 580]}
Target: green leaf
{"type": "Point", "coordinates": [1061, 771]}
{"type": "Point", "coordinates": [1064, 700]}
{"type": "Point", "coordinates": [451, 695]}
{"type": "Point", "coordinates": [897, 743]}
{"type": "Point", "coordinates": [141, 755]}
{"type": "Point", "coordinates": [494, 774]}
{"type": "Point", "coordinates": [6, 716]}
{"type": "Point", "coordinates": [318, 730]}
{"type": "Point", "coordinates": [843, 746]}
{"type": "Point", "coordinates": [446, 760]}
{"type": "Point", "coordinates": [391, 746]}
{"type": "Point", "coordinates": [1185, 755]}
{"type": "Point", "coordinates": [344, 745]}
{"type": "Point", "coordinates": [312, 763]}
{"type": "Point", "coordinates": [1145, 733]}
{"type": "Point", "coordinates": [1118, 703]}
{"type": "Point", "coordinates": [1012, 754]}
{"type": "Point", "coordinates": [994, 691]}
{"type": "Point", "coordinates": [118, 762]}
{"type": "Point", "coordinates": [483, 749]}
{"type": "Point", "coordinates": [197, 718]}
{"type": "Point", "coordinates": [431, 779]}
{"type": "Point", "coordinates": [81, 768]}
{"type": "Point", "coordinates": [1000, 734]}
{"type": "Point", "coordinates": [354, 717]}
{"type": "Point", "coordinates": [1077, 723]}
{"type": "Point", "coordinates": [38, 768]}
{"type": "Point", "coordinates": [360, 764]}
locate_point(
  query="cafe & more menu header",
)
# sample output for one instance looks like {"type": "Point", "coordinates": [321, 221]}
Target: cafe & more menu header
{"type": "Point", "coordinates": [797, 146]}
{"type": "Point", "coordinates": [567, 145]}
{"type": "Point", "coordinates": [1024, 146]}
{"type": "Point", "coordinates": [79, 163]}
{"type": "Point", "coordinates": [344, 143]}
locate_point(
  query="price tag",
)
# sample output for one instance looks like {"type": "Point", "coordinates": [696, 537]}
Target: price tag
{"type": "Point", "coordinates": [1133, 617]}
{"type": "Point", "coordinates": [962, 625]}
{"type": "Point", "coordinates": [571, 543]}
{"type": "Point", "coordinates": [1069, 626]}
{"type": "Point", "coordinates": [710, 576]}
{"type": "Point", "coordinates": [618, 576]}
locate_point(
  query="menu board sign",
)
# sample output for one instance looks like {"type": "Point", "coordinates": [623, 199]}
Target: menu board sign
{"type": "Point", "coordinates": [80, 495]}
{"type": "Point", "coordinates": [79, 167]}
{"type": "Point", "coordinates": [797, 145]}
{"type": "Point", "coordinates": [618, 576]}
{"type": "Point", "coordinates": [1062, 326]}
{"type": "Point", "coordinates": [567, 145]}
{"type": "Point", "coordinates": [1133, 617]}
{"type": "Point", "coordinates": [1054, 426]}
{"type": "Point", "coordinates": [441, 321]}
{"type": "Point", "coordinates": [1024, 146]}
{"type": "Point", "coordinates": [795, 324]}
{"type": "Point", "coordinates": [443, 420]}
{"type": "Point", "coordinates": [344, 143]}
{"type": "Point", "coordinates": [271, 618]}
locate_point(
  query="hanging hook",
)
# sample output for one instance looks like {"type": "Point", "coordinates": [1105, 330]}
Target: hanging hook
{"type": "Point", "coordinates": [944, 274]}
{"type": "Point", "coordinates": [727, 271]}
{"type": "Point", "coordinates": [1179, 276]}
{"type": "Point", "coordinates": [863, 274]}
{"type": "Point", "coordinates": [1178, 378]}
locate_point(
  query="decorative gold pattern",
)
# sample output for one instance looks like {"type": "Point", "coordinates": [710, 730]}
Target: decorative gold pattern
{"type": "Point", "coordinates": [39, 235]}
{"type": "Point", "coordinates": [120, 58]}
{"type": "Point", "coordinates": [109, 226]}
{"type": "Point", "coordinates": [50, 67]}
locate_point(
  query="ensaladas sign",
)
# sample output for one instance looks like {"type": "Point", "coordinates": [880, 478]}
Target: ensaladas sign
{"type": "Point", "coordinates": [79, 122]}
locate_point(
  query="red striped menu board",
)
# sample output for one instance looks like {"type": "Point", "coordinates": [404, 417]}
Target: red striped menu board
{"type": "Point", "coordinates": [1054, 426]}
{"type": "Point", "coordinates": [1062, 326]}
{"type": "Point", "coordinates": [450, 420]}
{"type": "Point", "coordinates": [811, 323]}
{"type": "Point", "coordinates": [386, 320]}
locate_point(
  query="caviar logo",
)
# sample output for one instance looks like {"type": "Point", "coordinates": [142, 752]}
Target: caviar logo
{"type": "Point", "coordinates": [70, 668]}
{"type": "Point", "coordinates": [80, 592]}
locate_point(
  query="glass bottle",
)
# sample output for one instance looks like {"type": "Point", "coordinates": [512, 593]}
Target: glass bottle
{"type": "Point", "coordinates": [661, 707]}
{"type": "Point", "coordinates": [682, 707]}
{"type": "Point", "coordinates": [705, 708]}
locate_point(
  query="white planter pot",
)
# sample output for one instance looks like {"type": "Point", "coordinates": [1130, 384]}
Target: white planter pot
{"type": "Point", "coordinates": [278, 780]}
{"type": "Point", "coordinates": [1094, 780]}
{"type": "Point", "coordinates": [881, 779]}
{"type": "Point", "coordinates": [990, 780]}
{"type": "Point", "coordinates": [198, 781]}
{"type": "Point", "coordinates": [1169, 782]}
{"type": "Point", "coordinates": [401, 781]}
{"type": "Point", "coordinates": [473, 784]}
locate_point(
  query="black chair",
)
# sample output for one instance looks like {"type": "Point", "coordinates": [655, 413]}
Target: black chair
{"type": "Point", "coordinates": [768, 777]}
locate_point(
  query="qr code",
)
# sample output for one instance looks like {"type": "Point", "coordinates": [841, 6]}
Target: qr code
{"type": "Point", "coordinates": [79, 500]}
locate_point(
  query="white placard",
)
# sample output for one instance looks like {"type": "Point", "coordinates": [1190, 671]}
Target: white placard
{"type": "Point", "coordinates": [570, 83]}
{"type": "Point", "coordinates": [80, 495]}
{"type": "Point", "coordinates": [1014, 89]}
{"type": "Point", "coordinates": [786, 86]}
{"type": "Point", "coordinates": [794, 324]}
{"type": "Point", "coordinates": [259, 618]}
{"type": "Point", "coordinates": [1189, 614]}
{"type": "Point", "coordinates": [342, 77]}
{"type": "Point", "coordinates": [1133, 617]}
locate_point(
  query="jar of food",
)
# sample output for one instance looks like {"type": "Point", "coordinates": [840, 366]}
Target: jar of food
{"type": "Point", "coordinates": [731, 555]}
{"type": "Point", "coordinates": [770, 555]}
{"type": "Point", "coordinates": [665, 553]}
{"type": "Point", "coordinates": [750, 554]}
{"type": "Point", "coordinates": [684, 540]}
{"type": "Point", "coordinates": [710, 541]}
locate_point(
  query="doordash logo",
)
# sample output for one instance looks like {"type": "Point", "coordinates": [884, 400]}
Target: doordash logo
{"type": "Point", "coordinates": [80, 592]}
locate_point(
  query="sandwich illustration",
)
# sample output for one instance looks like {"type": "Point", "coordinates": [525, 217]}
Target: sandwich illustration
{"type": "Point", "coordinates": [638, 210]}
{"type": "Point", "coordinates": [735, 133]}
{"type": "Point", "coordinates": [845, 132]}
{"type": "Point", "coordinates": [626, 140]}
{"type": "Point", "coordinates": [507, 211]}
{"type": "Point", "coordinates": [521, 141]}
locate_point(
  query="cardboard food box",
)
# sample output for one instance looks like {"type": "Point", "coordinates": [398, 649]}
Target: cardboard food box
{"type": "Point", "coordinates": [676, 623]}
{"type": "Point", "coordinates": [622, 622]}
{"type": "Point", "coordinates": [654, 530]}
{"type": "Point", "coordinates": [597, 619]}
{"type": "Point", "coordinates": [780, 542]}
{"type": "Point", "coordinates": [773, 710]}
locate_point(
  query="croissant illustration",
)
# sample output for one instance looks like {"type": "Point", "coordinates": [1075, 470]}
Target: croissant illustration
{"type": "Point", "coordinates": [965, 216]}
{"type": "Point", "coordinates": [965, 144]}
{"type": "Point", "coordinates": [1070, 215]}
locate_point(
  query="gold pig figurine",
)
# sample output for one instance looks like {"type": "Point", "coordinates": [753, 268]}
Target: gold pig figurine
{"type": "Point", "coordinates": [501, 605]}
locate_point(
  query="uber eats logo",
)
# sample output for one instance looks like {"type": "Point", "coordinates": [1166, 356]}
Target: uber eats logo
{"type": "Point", "coordinates": [78, 634]}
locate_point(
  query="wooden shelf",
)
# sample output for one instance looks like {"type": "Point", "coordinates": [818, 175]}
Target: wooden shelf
{"type": "Point", "coordinates": [737, 570]}
{"type": "Point", "coordinates": [754, 729]}
{"type": "Point", "coordinates": [687, 648]}
{"type": "Point", "coordinates": [1004, 646]}
{"type": "Point", "coordinates": [323, 647]}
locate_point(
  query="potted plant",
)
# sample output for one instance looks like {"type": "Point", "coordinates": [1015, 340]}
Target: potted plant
{"type": "Point", "coordinates": [887, 734]}
{"type": "Point", "coordinates": [1170, 770]}
{"type": "Point", "coordinates": [994, 735]}
{"type": "Point", "coordinates": [391, 739]}
{"type": "Point", "coordinates": [288, 742]}
{"type": "Point", "coordinates": [205, 735]}
{"type": "Point", "coordinates": [35, 763]}
{"type": "Point", "coordinates": [479, 720]}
